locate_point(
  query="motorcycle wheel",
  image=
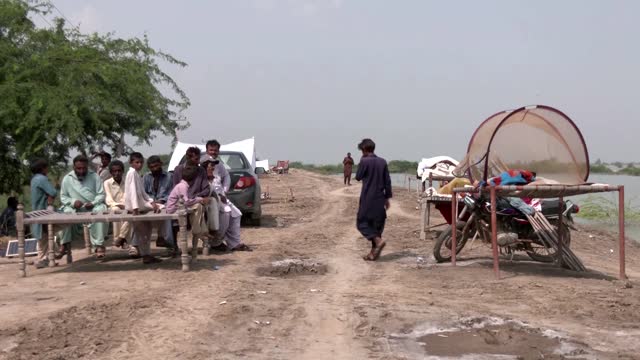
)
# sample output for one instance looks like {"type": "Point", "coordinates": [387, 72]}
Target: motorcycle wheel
{"type": "Point", "coordinates": [442, 247]}
{"type": "Point", "coordinates": [539, 253]}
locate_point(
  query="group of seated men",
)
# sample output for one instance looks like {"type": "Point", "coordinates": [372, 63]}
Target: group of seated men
{"type": "Point", "coordinates": [202, 183]}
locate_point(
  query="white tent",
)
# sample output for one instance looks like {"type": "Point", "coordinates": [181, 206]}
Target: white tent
{"type": "Point", "coordinates": [263, 164]}
{"type": "Point", "coordinates": [247, 147]}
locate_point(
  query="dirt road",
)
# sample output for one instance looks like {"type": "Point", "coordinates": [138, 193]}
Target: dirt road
{"type": "Point", "coordinates": [305, 293]}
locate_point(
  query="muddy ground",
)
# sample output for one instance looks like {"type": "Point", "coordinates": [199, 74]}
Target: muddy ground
{"type": "Point", "coordinates": [305, 293]}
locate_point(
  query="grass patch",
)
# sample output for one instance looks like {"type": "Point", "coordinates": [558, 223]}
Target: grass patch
{"type": "Point", "coordinates": [603, 209]}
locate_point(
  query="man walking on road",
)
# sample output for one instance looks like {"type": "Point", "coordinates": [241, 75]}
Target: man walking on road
{"type": "Point", "coordinates": [374, 198]}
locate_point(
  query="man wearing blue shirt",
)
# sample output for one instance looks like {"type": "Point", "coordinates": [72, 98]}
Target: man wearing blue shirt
{"type": "Point", "coordinates": [42, 196]}
{"type": "Point", "coordinates": [158, 185]}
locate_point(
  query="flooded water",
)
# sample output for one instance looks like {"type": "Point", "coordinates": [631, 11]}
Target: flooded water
{"type": "Point", "coordinates": [632, 198]}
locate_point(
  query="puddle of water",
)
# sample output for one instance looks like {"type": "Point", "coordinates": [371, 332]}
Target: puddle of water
{"type": "Point", "coordinates": [487, 338]}
{"type": "Point", "coordinates": [507, 339]}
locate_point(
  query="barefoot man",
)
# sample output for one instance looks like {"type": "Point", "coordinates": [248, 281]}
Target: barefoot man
{"type": "Point", "coordinates": [374, 198]}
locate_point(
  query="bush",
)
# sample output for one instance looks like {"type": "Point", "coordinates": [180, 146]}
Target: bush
{"type": "Point", "coordinates": [600, 169]}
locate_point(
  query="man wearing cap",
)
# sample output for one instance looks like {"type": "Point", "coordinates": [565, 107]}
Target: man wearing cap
{"type": "Point", "coordinates": [199, 188]}
{"type": "Point", "coordinates": [228, 215]}
{"type": "Point", "coordinates": [224, 179]}
{"type": "Point", "coordinates": [213, 208]}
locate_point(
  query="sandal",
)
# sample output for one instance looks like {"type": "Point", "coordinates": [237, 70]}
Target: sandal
{"type": "Point", "coordinates": [161, 242]}
{"type": "Point", "coordinates": [243, 247]}
{"type": "Point", "coordinates": [220, 248]}
{"type": "Point", "coordinates": [370, 256]}
{"type": "Point", "coordinates": [64, 250]}
{"type": "Point", "coordinates": [121, 243]}
{"type": "Point", "coordinates": [149, 259]}
{"type": "Point", "coordinates": [171, 252]}
{"type": "Point", "coordinates": [100, 252]}
{"type": "Point", "coordinates": [378, 250]}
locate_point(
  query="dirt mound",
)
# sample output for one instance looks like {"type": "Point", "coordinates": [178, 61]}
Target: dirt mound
{"type": "Point", "coordinates": [293, 267]}
{"type": "Point", "coordinates": [77, 332]}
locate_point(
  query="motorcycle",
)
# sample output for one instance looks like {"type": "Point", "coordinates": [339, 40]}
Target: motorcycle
{"type": "Point", "coordinates": [515, 233]}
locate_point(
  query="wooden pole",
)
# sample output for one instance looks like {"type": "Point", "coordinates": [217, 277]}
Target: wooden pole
{"type": "Point", "coordinates": [559, 256]}
{"type": "Point", "coordinates": [184, 246]}
{"type": "Point", "coordinates": [454, 228]}
{"type": "Point", "coordinates": [87, 239]}
{"type": "Point", "coordinates": [622, 274]}
{"type": "Point", "coordinates": [429, 204]}
{"type": "Point", "coordinates": [22, 265]}
{"type": "Point", "coordinates": [423, 212]}
{"type": "Point", "coordinates": [50, 253]}
{"type": "Point", "coordinates": [494, 233]}
{"type": "Point", "coordinates": [205, 245]}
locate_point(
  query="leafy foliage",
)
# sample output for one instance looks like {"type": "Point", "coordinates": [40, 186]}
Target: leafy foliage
{"type": "Point", "coordinates": [61, 90]}
{"type": "Point", "coordinates": [321, 169]}
{"type": "Point", "coordinates": [630, 170]}
{"type": "Point", "coordinates": [395, 166]}
{"type": "Point", "coordinates": [600, 169]}
{"type": "Point", "coordinates": [403, 166]}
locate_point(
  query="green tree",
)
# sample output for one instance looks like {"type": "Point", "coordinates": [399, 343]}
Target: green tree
{"type": "Point", "coordinates": [61, 90]}
{"type": "Point", "coordinates": [403, 166]}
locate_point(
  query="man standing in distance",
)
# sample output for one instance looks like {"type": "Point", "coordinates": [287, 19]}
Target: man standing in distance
{"type": "Point", "coordinates": [347, 163]}
{"type": "Point", "coordinates": [374, 198]}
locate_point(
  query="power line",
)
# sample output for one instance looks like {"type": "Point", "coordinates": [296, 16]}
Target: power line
{"type": "Point", "coordinates": [45, 19]}
{"type": "Point", "coordinates": [63, 16]}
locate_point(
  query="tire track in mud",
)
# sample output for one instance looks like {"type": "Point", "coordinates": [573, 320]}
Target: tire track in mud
{"type": "Point", "coordinates": [331, 317]}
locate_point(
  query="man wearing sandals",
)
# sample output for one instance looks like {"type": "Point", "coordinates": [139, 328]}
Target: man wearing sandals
{"type": "Point", "coordinates": [138, 202]}
{"type": "Point", "coordinates": [196, 204]}
{"type": "Point", "coordinates": [114, 189]}
{"type": "Point", "coordinates": [42, 196]}
{"type": "Point", "coordinates": [82, 190]}
{"type": "Point", "coordinates": [228, 214]}
{"type": "Point", "coordinates": [374, 198]}
{"type": "Point", "coordinates": [158, 185]}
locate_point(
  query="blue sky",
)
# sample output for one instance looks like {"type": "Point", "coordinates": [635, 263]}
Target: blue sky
{"type": "Point", "coordinates": [310, 78]}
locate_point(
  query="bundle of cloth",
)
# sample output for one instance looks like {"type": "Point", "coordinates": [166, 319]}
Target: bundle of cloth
{"type": "Point", "coordinates": [439, 165]}
{"type": "Point", "coordinates": [511, 177]}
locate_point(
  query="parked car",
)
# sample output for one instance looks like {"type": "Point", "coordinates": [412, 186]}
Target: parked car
{"type": "Point", "coordinates": [244, 191]}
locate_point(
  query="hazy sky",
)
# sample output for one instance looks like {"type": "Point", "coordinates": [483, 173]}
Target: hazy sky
{"type": "Point", "coordinates": [310, 78]}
